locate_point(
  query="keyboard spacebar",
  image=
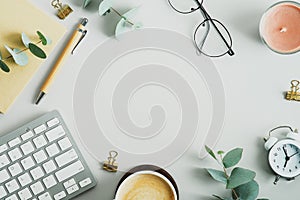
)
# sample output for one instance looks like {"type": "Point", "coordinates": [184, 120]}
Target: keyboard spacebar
{"type": "Point", "coordinates": [69, 171]}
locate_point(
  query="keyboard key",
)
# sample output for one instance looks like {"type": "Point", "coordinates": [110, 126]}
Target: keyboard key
{"type": "Point", "coordinates": [3, 161]}
{"type": "Point", "coordinates": [25, 194]}
{"type": "Point", "coordinates": [15, 169]}
{"type": "Point", "coordinates": [27, 135]}
{"type": "Point", "coordinates": [24, 179]}
{"type": "Point", "coordinates": [12, 186]}
{"type": "Point", "coordinates": [3, 148]}
{"type": "Point", "coordinates": [49, 181]}
{"type": "Point", "coordinates": [52, 150]}
{"type": "Point", "coordinates": [14, 142]}
{"type": "Point", "coordinates": [4, 176]}
{"type": "Point", "coordinates": [85, 182]}
{"type": "Point", "coordinates": [60, 195]}
{"type": "Point", "coordinates": [15, 154]}
{"type": "Point", "coordinates": [27, 163]}
{"type": "Point", "coordinates": [55, 133]}
{"type": "Point", "coordinates": [40, 129]}
{"type": "Point", "coordinates": [12, 197]}
{"type": "Point", "coordinates": [45, 196]}
{"type": "Point", "coordinates": [40, 156]}
{"type": "Point", "coordinates": [49, 166]}
{"type": "Point", "coordinates": [37, 173]}
{"type": "Point", "coordinates": [53, 122]}
{"type": "Point", "coordinates": [37, 188]}
{"type": "Point", "coordinates": [69, 183]}
{"type": "Point", "coordinates": [64, 144]}
{"type": "Point", "coordinates": [39, 141]}
{"type": "Point", "coordinates": [73, 189]}
{"type": "Point", "coordinates": [27, 148]}
{"type": "Point", "coordinates": [66, 158]}
{"type": "Point", "coordinates": [2, 192]}
{"type": "Point", "coordinates": [69, 171]}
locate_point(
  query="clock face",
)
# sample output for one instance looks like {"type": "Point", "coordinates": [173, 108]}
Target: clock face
{"type": "Point", "coordinates": [284, 158]}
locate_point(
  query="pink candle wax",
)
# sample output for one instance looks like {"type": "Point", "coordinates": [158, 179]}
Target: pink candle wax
{"type": "Point", "coordinates": [280, 27]}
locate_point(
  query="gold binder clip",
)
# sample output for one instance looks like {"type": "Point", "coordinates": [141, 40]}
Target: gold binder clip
{"type": "Point", "coordinates": [293, 94]}
{"type": "Point", "coordinates": [110, 165]}
{"type": "Point", "coordinates": [63, 10]}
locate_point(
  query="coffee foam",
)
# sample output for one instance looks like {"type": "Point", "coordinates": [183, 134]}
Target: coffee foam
{"type": "Point", "coordinates": [146, 187]}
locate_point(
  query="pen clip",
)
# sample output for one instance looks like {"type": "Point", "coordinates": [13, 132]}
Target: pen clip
{"type": "Point", "coordinates": [80, 39]}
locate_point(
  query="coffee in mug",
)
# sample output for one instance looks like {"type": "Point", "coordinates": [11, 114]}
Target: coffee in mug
{"type": "Point", "coordinates": [146, 185]}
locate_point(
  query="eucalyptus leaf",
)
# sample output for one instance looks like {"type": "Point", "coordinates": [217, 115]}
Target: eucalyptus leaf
{"type": "Point", "coordinates": [25, 39]}
{"type": "Point", "coordinates": [42, 38]}
{"type": "Point", "coordinates": [232, 157]}
{"type": "Point", "coordinates": [217, 175]}
{"type": "Point", "coordinates": [120, 28]}
{"type": "Point", "coordinates": [10, 51]}
{"type": "Point", "coordinates": [128, 16]}
{"type": "Point", "coordinates": [248, 191]}
{"type": "Point", "coordinates": [210, 152]}
{"type": "Point", "coordinates": [4, 67]}
{"type": "Point", "coordinates": [104, 6]}
{"type": "Point", "coordinates": [37, 51]}
{"type": "Point", "coordinates": [0, 55]}
{"type": "Point", "coordinates": [220, 152]}
{"type": "Point", "coordinates": [124, 25]}
{"type": "Point", "coordinates": [20, 58]}
{"type": "Point", "coordinates": [86, 3]}
{"type": "Point", "coordinates": [49, 41]}
{"type": "Point", "coordinates": [239, 176]}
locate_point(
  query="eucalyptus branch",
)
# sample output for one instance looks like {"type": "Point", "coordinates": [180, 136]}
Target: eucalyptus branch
{"type": "Point", "coordinates": [233, 191]}
{"type": "Point", "coordinates": [240, 181]}
{"type": "Point", "coordinates": [19, 56]}
{"type": "Point", "coordinates": [227, 177]}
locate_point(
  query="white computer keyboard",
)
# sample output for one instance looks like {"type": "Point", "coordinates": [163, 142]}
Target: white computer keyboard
{"type": "Point", "coordinates": [41, 161]}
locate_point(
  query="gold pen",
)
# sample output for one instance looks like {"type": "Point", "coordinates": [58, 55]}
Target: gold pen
{"type": "Point", "coordinates": [80, 30]}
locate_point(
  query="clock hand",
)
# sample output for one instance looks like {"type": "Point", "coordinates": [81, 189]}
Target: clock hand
{"type": "Point", "coordinates": [286, 161]}
{"type": "Point", "coordinates": [285, 152]}
{"type": "Point", "coordinates": [293, 154]}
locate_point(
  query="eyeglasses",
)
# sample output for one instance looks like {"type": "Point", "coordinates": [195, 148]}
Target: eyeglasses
{"type": "Point", "coordinates": [211, 37]}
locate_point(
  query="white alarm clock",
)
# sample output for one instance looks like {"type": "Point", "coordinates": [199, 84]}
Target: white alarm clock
{"type": "Point", "coordinates": [284, 154]}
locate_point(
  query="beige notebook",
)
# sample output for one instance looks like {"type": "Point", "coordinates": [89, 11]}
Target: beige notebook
{"type": "Point", "coordinates": [19, 16]}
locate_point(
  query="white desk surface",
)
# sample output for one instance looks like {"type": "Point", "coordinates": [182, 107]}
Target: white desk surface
{"type": "Point", "coordinates": [254, 80]}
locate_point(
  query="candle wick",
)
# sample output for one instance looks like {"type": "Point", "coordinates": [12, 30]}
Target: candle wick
{"type": "Point", "coordinates": [283, 30]}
